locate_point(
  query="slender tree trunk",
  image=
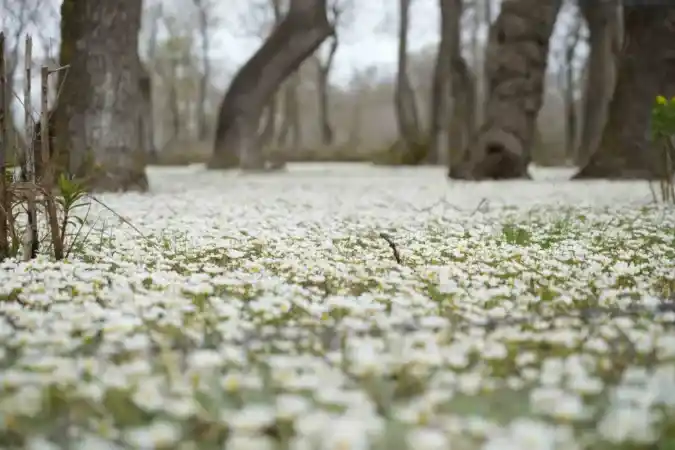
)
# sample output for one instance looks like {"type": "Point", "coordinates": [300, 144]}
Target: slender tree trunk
{"type": "Point", "coordinates": [323, 73]}
{"type": "Point", "coordinates": [147, 125]}
{"type": "Point", "coordinates": [646, 69]}
{"type": "Point", "coordinates": [290, 132]}
{"type": "Point", "coordinates": [516, 60]}
{"type": "Point", "coordinates": [463, 90]}
{"type": "Point", "coordinates": [605, 27]}
{"type": "Point", "coordinates": [569, 89]}
{"type": "Point", "coordinates": [299, 34]}
{"type": "Point", "coordinates": [202, 126]}
{"type": "Point", "coordinates": [97, 116]}
{"type": "Point", "coordinates": [404, 97]}
{"type": "Point", "coordinates": [440, 88]}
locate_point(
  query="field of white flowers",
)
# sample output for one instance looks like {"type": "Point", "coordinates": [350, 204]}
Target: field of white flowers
{"type": "Point", "coordinates": [270, 312]}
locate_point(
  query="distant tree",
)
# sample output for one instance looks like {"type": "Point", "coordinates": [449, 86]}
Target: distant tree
{"type": "Point", "coordinates": [302, 30]}
{"type": "Point", "coordinates": [605, 38]}
{"type": "Point", "coordinates": [405, 104]}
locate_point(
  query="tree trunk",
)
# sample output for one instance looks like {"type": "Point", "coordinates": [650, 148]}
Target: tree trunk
{"type": "Point", "coordinates": [516, 59]}
{"type": "Point", "coordinates": [147, 122]}
{"type": "Point", "coordinates": [605, 40]}
{"type": "Point", "coordinates": [463, 91]}
{"type": "Point", "coordinates": [98, 114]}
{"type": "Point", "coordinates": [290, 133]}
{"type": "Point", "coordinates": [438, 151]}
{"type": "Point", "coordinates": [404, 97]}
{"type": "Point", "coordinates": [299, 34]}
{"type": "Point", "coordinates": [270, 124]}
{"type": "Point", "coordinates": [569, 88]}
{"type": "Point", "coordinates": [202, 127]}
{"type": "Point", "coordinates": [646, 69]}
{"type": "Point", "coordinates": [323, 72]}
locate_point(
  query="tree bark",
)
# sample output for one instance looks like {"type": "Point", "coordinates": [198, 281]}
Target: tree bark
{"type": "Point", "coordinates": [404, 97]}
{"type": "Point", "coordinates": [438, 151]}
{"type": "Point", "coordinates": [290, 133]}
{"type": "Point", "coordinates": [569, 86]}
{"type": "Point", "coordinates": [205, 76]}
{"type": "Point", "coordinates": [98, 114]}
{"type": "Point", "coordinates": [646, 69]}
{"type": "Point", "coordinates": [323, 72]}
{"type": "Point", "coordinates": [516, 59]}
{"type": "Point", "coordinates": [147, 122]}
{"type": "Point", "coordinates": [605, 40]}
{"type": "Point", "coordinates": [299, 34]}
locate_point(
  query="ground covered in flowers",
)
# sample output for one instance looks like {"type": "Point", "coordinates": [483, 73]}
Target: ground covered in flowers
{"type": "Point", "coordinates": [348, 307]}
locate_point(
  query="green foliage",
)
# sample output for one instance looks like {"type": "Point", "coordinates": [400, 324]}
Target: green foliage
{"type": "Point", "coordinates": [662, 133]}
{"type": "Point", "coordinates": [71, 192]}
{"type": "Point", "coordinates": [663, 118]}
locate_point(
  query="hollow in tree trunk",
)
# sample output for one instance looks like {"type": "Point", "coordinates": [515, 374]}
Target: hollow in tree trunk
{"type": "Point", "coordinates": [516, 59]}
{"type": "Point", "coordinates": [299, 34]}
{"type": "Point", "coordinates": [646, 69]}
{"type": "Point", "coordinates": [97, 119]}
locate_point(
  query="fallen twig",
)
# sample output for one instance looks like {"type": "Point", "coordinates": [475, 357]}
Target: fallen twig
{"type": "Point", "coordinates": [392, 245]}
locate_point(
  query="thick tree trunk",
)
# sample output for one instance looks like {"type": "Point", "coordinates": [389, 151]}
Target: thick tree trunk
{"type": "Point", "coordinates": [605, 27]}
{"type": "Point", "coordinates": [646, 69]}
{"type": "Point", "coordinates": [516, 59]}
{"type": "Point", "coordinates": [98, 114]}
{"type": "Point", "coordinates": [404, 97]}
{"type": "Point", "coordinates": [299, 34]}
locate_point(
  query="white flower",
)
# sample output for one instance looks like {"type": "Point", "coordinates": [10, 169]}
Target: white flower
{"type": "Point", "coordinates": [427, 439]}
{"type": "Point", "coordinates": [158, 434]}
{"type": "Point", "coordinates": [251, 418]}
{"type": "Point", "coordinates": [245, 441]}
{"type": "Point", "coordinates": [622, 425]}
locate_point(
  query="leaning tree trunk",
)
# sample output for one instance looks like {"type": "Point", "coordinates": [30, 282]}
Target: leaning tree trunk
{"type": "Point", "coordinates": [605, 40]}
{"type": "Point", "coordinates": [97, 118]}
{"type": "Point", "coordinates": [299, 34]}
{"type": "Point", "coordinates": [404, 96]}
{"type": "Point", "coordinates": [646, 69]}
{"type": "Point", "coordinates": [516, 58]}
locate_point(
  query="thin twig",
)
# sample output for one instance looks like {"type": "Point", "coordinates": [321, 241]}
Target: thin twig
{"type": "Point", "coordinates": [392, 245]}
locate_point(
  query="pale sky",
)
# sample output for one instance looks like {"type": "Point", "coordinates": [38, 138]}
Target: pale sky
{"type": "Point", "coordinates": [367, 39]}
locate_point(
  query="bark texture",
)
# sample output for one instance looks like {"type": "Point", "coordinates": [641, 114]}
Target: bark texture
{"type": "Point", "coordinates": [147, 122]}
{"type": "Point", "coordinates": [516, 58]}
{"type": "Point", "coordinates": [440, 87]}
{"type": "Point", "coordinates": [299, 34]}
{"type": "Point", "coordinates": [604, 21]}
{"type": "Point", "coordinates": [322, 85]}
{"type": "Point", "coordinates": [98, 115]}
{"type": "Point", "coordinates": [646, 69]}
{"type": "Point", "coordinates": [407, 117]}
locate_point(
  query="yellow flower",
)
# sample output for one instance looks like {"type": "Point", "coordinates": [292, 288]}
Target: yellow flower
{"type": "Point", "coordinates": [661, 100]}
